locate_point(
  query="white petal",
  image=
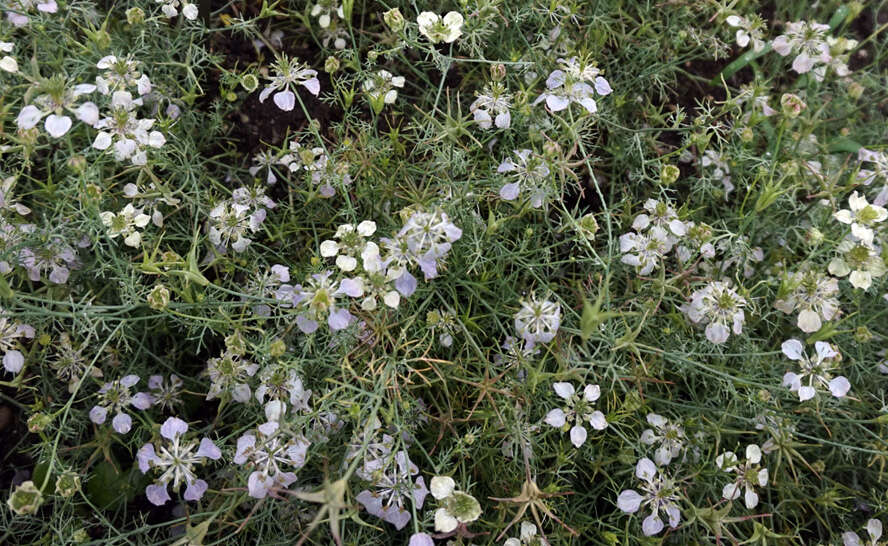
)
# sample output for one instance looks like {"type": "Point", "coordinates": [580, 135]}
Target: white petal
{"type": "Point", "coordinates": [578, 435]}
{"type": "Point", "coordinates": [555, 418]}
{"type": "Point", "coordinates": [563, 389]}
{"type": "Point", "coordinates": [285, 100]}
{"type": "Point", "coordinates": [442, 486]}
{"type": "Point", "coordinates": [839, 386]}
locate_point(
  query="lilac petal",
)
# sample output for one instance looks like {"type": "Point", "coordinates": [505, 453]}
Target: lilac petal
{"type": "Point", "coordinates": [629, 501]}
{"type": "Point", "coordinates": [129, 380]}
{"type": "Point", "coordinates": [351, 287]}
{"type": "Point", "coordinates": [142, 400]}
{"type": "Point", "coordinates": [195, 490]}
{"type": "Point", "coordinates": [555, 418]}
{"type": "Point", "coordinates": [406, 284]}
{"type": "Point", "coordinates": [157, 494]}
{"type": "Point", "coordinates": [420, 492]}
{"type": "Point", "coordinates": [556, 103]}
{"type": "Point", "coordinates": [645, 469]}
{"type": "Point", "coordinates": [313, 86]}
{"type": "Point", "coordinates": [145, 457]}
{"type": "Point", "coordinates": [122, 423]}
{"type": "Point", "coordinates": [285, 100]}
{"type": "Point", "coordinates": [98, 415]}
{"type": "Point", "coordinates": [396, 515]}
{"type": "Point", "coordinates": [421, 539]}
{"type": "Point", "coordinates": [13, 361]}
{"type": "Point", "coordinates": [372, 503]}
{"type": "Point", "coordinates": [602, 86]}
{"type": "Point", "coordinates": [510, 192]}
{"type": "Point", "coordinates": [306, 325]}
{"type": "Point", "coordinates": [258, 486]}
{"type": "Point", "coordinates": [339, 319]}
{"type": "Point", "coordinates": [839, 386]}
{"type": "Point", "coordinates": [173, 427]}
{"type": "Point", "coordinates": [651, 525]}
{"type": "Point", "coordinates": [209, 450]}
{"type": "Point", "coordinates": [155, 382]}
{"type": "Point", "coordinates": [57, 126]}
{"type": "Point", "coordinates": [578, 435]}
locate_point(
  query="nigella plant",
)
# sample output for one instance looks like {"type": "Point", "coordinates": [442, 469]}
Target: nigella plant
{"type": "Point", "coordinates": [11, 334]}
{"type": "Point", "coordinates": [115, 397]}
{"type": "Point", "coordinates": [270, 451]}
{"type": "Point", "coordinates": [571, 83]}
{"type": "Point", "coordinates": [529, 173]}
{"type": "Point", "coordinates": [719, 307]}
{"type": "Point", "coordinates": [537, 321]}
{"type": "Point", "coordinates": [390, 486]}
{"type": "Point", "coordinates": [175, 460]}
{"type": "Point", "coordinates": [658, 494]}
{"type": "Point", "coordinates": [288, 74]}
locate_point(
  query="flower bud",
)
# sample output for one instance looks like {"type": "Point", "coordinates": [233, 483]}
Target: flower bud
{"type": "Point", "coordinates": [38, 422]}
{"type": "Point", "coordinates": [394, 20]}
{"type": "Point", "coordinates": [159, 297]}
{"type": "Point", "coordinates": [67, 484]}
{"type": "Point", "coordinates": [792, 105]}
{"type": "Point", "coordinates": [135, 16]}
{"type": "Point", "coordinates": [26, 499]}
{"type": "Point", "coordinates": [331, 65]}
{"type": "Point", "coordinates": [669, 174]}
{"type": "Point", "coordinates": [498, 72]}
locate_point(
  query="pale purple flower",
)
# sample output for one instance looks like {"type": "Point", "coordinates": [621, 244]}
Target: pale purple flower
{"type": "Point", "coordinates": [577, 410]}
{"type": "Point", "coordinates": [268, 451]}
{"type": "Point", "coordinates": [11, 334]}
{"type": "Point", "coordinates": [670, 438]}
{"type": "Point", "coordinates": [391, 485]}
{"type": "Point", "coordinates": [873, 529]}
{"type": "Point", "coordinates": [165, 395]}
{"type": "Point", "coordinates": [528, 173]}
{"type": "Point", "coordinates": [175, 459]}
{"type": "Point", "coordinates": [658, 494]}
{"type": "Point", "coordinates": [816, 373]}
{"type": "Point", "coordinates": [229, 375]}
{"type": "Point", "coordinates": [574, 82]}
{"type": "Point", "coordinates": [54, 258]}
{"type": "Point", "coordinates": [288, 74]}
{"type": "Point", "coordinates": [749, 474]}
{"type": "Point", "coordinates": [114, 398]}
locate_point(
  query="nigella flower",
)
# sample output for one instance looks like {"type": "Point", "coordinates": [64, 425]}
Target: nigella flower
{"type": "Point", "coordinates": [721, 171]}
{"type": "Point", "coordinates": [739, 253]}
{"type": "Point", "coordinates": [11, 334]}
{"type": "Point", "coordinates": [127, 223]}
{"type": "Point", "coordinates": [862, 216]}
{"type": "Point", "coordinates": [150, 199]}
{"type": "Point", "coordinates": [120, 74]}
{"type": "Point", "coordinates": [230, 222]}
{"type": "Point", "coordinates": [807, 41]}
{"type": "Point", "coordinates": [537, 321]}
{"type": "Point", "coordinates": [269, 450]}
{"type": "Point", "coordinates": [569, 84]}
{"type": "Point", "coordinates": [316, 301]}
{"type": "Point", "coordinates": [527, 537]}
{"type": "Point", "coordinates": [879, 169]}
{"type": "Point", "coordinates": [229, 375]}
{"type": "Point", "coordinates": [696, 241]}
{"type": "Point", "coordinates": [382, 88]}
{"type": "Point", "coordinates": [115, 397]}
{"type": "Point", "coordinates": [749, 29]}
{"type": "Point", "coordinates": [813, 294]}
{"type": "Point", "coordinates": [816, 373]}
{"type": "Point", "coordinates": [577, 410]}
{"type": "Point", "coordinates": [644, 251]}
{"type": "Point", "coordinates": [749, 474]}
{"type": "Point", "coordinates": [514, 351]}
{"type": "Point", "coordinates": [719, 307]}
{"type": "Point", "coordinates": [265, 160]}
{"type": "Point", "coordinates": [659, 494]}
{"type": "Point", "coordinates": [129, 134]}
{"type": "Point", "coordinates": [288, 74]}
{"type": "Point", "coordinates": [69, 362]}
{"type": "Point", "coordinates": [440, 29]}
{"type": "Point", "coordinates": [17, 10]}
{"type": "Point", "coordinates": [491, 107]}
{"type": "Point", "coordinates": [54, 257]}
{"type": "Point", "coordinates": [660, 214]}
{"type": "Point", "coordinates": [165, 395]}
{"type": "Point", "coordinates": [57, 97]}
{"type": "Point", "coordinates": [457, 507]}
{"type": "Point", "coordinates": [280, 384]}
{"type": "Point", "coordinates": [873, 529]}
{"type": "Point", "coordinates": [391, 485]}
{"type": "Point", "coordinates": [862, 261]}
{"type": "Point", "coordinates": [428, 237]}
{"type": "Point", "coordinates": [351, 244]}
{"type": "Point", "coordinates": [175, 459]}
{"type": "Point", "coordinates": [8, 62]}
{"type": "Point", "coordinates": [529, 172]}
{"type": "Point", "coordinates": [170, 8]}
{"type": "Point", "coordinates": [670, 437]}
{"type": "Point", "coordinates": [324, 11]}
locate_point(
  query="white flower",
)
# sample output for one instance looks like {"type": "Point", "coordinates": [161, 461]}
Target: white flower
{"type": "Point", "coordinates": [229, 375]}
{"type": "Point", "coordinates": [126, 223]}
{"type": "Point", "coordinates": [269, 450]}
{"type": "Point", "coordinates": [120, 74]}
{"type": "Point", "coordinates": [537, 321]}
{"type": "Point", "coordinates": [574, 82]}
{"type": "Point", "coordinates": [289, 73]}
{"type": "Point", "coordinates": [437, 29]}
{"type": "Point", "coordinates": [8, 63]}
{"type": "Point", "coordinates": [873, 529]}
{"type": "Point", "coordinates": [324, 11]}
{"type": "Point", "coordinates": [381, 89]}
{"type": "Point", "coordinates": [11, 332]}
{"type": "Point", "coordinates": [659, 494]}
{"type": "Point", "coordinates": [807, 40]}
{"type": "Point", "coordinates": [351, 244]}
{"type": "Point", "coordinates": [18, 10]}
{"type": "Point", "coordinates": [170, 8]}
{"type": "Point", "coordinates": [56, 98]}
{"type": "Point", "coordinates": [670, 436]}
{"type": "Point", "coordinates": [114, 397]}
{"type": "Point", "coordinates": [530, 173]}
{"type": "Point", "coordinates": [578, 410]}
{"type": "Point", "coordinates": [645, 251]}
{"type": "Point", "coordinates": [129, 134]}
{"type": "Point", "coordinates": [749, 474]}
{"type": "Point", "coordinates": [861, 261]}
{"type": "Point", "coordinates": [862, 216]}
{"type": "Point", "coordinates": [816, 373]}
{"type": "Point", "coordinates": [527, 537]}
{"type": "Point", "coordinates": [491, 107]}
{"type": "Point", "coordinates": [748, 30]}
{"type": "Point", "coordinates": [721, 171]}
{"type": "Point", "coordinates": [719, 307]}
{"type": "Point", "coordinates": [813, 294]}
{"type": "Point", "coordinates": [457, 507]}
